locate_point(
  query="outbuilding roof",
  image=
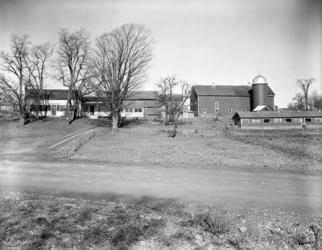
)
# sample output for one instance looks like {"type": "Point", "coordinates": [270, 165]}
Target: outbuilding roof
{"type": "Point", "coordinates": [279, 114]}
{"type": "Point", "coordinates": [226, 90]}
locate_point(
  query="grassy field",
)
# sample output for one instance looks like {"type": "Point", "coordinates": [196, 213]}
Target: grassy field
{"type": "Point", "coordinates": [38, 221]}
{"type": "Point", "coordinates": [299, 146]}
{"type": "Point", "coordinates": [149, 144]}
{"type": "Point", "coordinates": [74, 221]}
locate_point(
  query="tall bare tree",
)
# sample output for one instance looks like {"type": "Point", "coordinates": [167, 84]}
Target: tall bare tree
{"type": "Point", "coordinates": [72, 67]}
{"type": "Point", "coordinates": [173, 103]}
{"type": "Point", "coordinates": [121, 60]}
{"type": "Point", "coordinates": [302, 97]}
{"type": "Point", "coordinates": [13, 63]}
{"type": "Point", "coordinates": [36, 64]}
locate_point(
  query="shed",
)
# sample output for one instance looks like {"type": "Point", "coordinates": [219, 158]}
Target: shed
{"type": "Point", "coordinates": [273, 118]}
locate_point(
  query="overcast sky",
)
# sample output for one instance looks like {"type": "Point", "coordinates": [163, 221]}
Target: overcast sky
{"type": "Point", "coordinates": [203, 42]}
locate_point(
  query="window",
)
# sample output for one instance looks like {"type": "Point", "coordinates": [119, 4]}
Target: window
{"type": "Point", "coordinates": [140, 110]}
{"type": "Point", "coordinates": [318, 119]}
{"type": "Point", "coordinates": [245, 121]}
{"type": "Point", "coordinates": [216, 107]}
{"type": "Point", "coordinates": [256, 121]}
{"type": "Point", "coordinates": [204, 111]}
{"type": "Point", "coordinates": [230, 110]}
{"type": "Point", "coordinates": [277, 120]}
{"type": "Point", "coordinates": [297, 120]}
{"type": "Point", "coordinates": [61, 107]}
{"type": "Point", "coordinates": [288, 120]}
{"type": "Point", "coordinates": [308, 120]}
{"type": "Point", "coordinates": [267, 120]}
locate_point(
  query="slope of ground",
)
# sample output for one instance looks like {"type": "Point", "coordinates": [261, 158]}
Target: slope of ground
{"type": "Point", "coordinates": [21, 139]}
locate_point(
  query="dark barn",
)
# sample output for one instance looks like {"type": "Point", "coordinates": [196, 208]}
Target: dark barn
{"type": "Point", "coordinates": [208, 100]}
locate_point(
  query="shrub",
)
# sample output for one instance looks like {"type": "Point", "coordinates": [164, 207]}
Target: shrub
{"type": "Point", "coordinates": [212, 223]}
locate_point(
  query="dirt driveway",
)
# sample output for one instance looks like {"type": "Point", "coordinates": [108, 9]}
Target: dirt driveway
{"type": "Point", "coordinates": [203, 186]}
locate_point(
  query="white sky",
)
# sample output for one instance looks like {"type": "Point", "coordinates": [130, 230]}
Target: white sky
{"type": "Point", "coordinates": [220, 41]}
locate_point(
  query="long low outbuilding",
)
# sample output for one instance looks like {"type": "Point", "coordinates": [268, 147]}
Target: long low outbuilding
{"type": "Point", "coordinates": [277, 118]}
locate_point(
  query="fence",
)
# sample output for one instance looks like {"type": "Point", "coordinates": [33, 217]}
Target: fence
{"type": "Point", "coordinates": [71, 144]}
{"type": "Point", "coordinates": [275, 131]}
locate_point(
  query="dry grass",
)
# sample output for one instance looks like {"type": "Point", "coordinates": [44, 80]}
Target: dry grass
{"type": "Point", "coordinates": [298, 147]}
{"type": "Point", "coordinates": [31, 221]}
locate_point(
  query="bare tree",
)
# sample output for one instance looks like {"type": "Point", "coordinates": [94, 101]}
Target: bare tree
{"type": "Point", "coordinates": [16, 78]}
{"type": "Point", "coordinates": [302, 98]}
{"type": "Point", "coordinates": [36, 64]}
{"type": "Point", "coordinates": [316, 100]}
{"type": "Point", "coordinates": [173, 103]}
{"type": "Point", "coordinates": [72, 67]}
{"type": "Point", "coordinates": [121, 60]}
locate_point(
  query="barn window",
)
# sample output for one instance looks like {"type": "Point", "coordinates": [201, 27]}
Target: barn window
{"type": "Point", "coordinates": [267, 120]}
{"type": "Point", "coordinates": [140, 110]}
{"type": "Point", "coordinates": [308, 119]}
{"type": "Point", "coordinates": [277, 120]}
{"type": "Point", "coordinates": [288, 120]}
{"type": "Point", "coordinates": [256, 121]}
{"type": "Point", "coordinates": [216, 107]}
{"type": "Point", "coordinates": [204, 111]}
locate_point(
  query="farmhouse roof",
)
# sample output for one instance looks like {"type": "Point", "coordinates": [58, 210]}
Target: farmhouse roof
{"type": "Point", "coordinates": [51, 94]}
{"type": "Point", "coordinates": [279, 114]}
{"type": "Point", "coordinates": [142, 95]}
{"type": "Point", "coordinates": [226, 90]}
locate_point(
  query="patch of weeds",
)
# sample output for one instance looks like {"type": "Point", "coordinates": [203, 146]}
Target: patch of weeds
{"type": "Point", "coordinates": [212, 223]}
{"type": "Point", "coordinates": [96, 233]}
{"type": "Point", "coordinates": [131, 232]}
{"type": "Point", "coordinates": [85, 215]}
{"type": "Point", "coordinates": [39, 241]}
{"type": "Point", "coordinates": [300, 238]}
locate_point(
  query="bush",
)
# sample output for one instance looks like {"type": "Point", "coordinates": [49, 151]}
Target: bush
{"type": "Point", "coordinates": [212, 223]}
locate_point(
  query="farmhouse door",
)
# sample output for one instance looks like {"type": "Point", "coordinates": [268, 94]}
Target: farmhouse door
{"type": "Point", "coordinates": [53, 109]}
{"type": "Point", "coordinates": [92, 110]}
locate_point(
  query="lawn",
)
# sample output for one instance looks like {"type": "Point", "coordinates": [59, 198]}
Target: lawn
{"type": "Point", "coordinates": [42, 221]}
{"type": "Point", "coordinates": [146, 144]}
{"type": "Point", "coordinates": [17, 139]}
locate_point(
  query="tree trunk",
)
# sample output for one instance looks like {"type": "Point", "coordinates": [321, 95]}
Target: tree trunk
{"type": "Point", "coordinates": [22, 120]}
{"type": "Point", "coordinates": [115, 121]}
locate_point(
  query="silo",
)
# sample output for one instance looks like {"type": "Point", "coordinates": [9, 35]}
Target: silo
{"type": "Point", "coordinates": [259, 93]}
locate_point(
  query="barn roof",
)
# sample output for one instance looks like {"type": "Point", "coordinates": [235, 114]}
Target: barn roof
{"type": "Point", "coordinates": [226, 90]}
{"type": "Point", "coordinates": [279, 114]}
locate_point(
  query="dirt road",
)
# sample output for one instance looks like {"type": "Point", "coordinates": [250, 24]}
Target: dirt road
{"type": "Point", "coordinates": [203, 186]}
